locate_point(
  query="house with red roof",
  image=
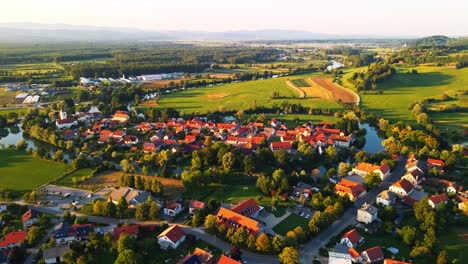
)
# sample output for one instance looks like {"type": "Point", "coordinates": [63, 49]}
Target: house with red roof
{"type": "Point", "coordinates": [286, 146]}
{"type": "Point", "coordinates": [30, 218]}
{"type": "Point", "coordinates": [130, 140]}
{"type": "Point", "coordinates": [234, 220]}
{"type": "Point", "coordinates": [145, 127]}
{"type": "Point", "coordinates": [172, 208]}
{"type": "Point", "coordinates": [130, 230]}
{"type": "Point", "coordinates": [439, 164]}
{"type": "Point", "coordinates": [190, 139]}
{"type": "Point", "coordinates": [373, 254]}
{"type": "Point", "coordinates": [415, 176]}
{"type": "Point", "coordinates": [227, 260]}
{"type": "Point", "coordinates": [437, 199]}
{"type": "Point", "coordinates": [401, 188]}
{"type": "Point", "coordinates": [69, 233]}
{"type": "Point", "coordinates": [196, 206]}
{"type": "Point", "coordinates": [65, 123]}
{"type": "Point", "coordinates": [172, 237]}
{"type": "Point", "coordinates": [364, 168]}
{"type": "Point", "coordinates": [352, 189]}
{"type": "Point", "coordinates": [13, 239]}
{"type": "Point", "coordinates": [247, 208]}
{"type": "Point", "coordinates": [351, 239]}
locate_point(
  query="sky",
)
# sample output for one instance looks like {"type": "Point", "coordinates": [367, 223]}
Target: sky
{"type": "Point", "coordinates": [357, 17]}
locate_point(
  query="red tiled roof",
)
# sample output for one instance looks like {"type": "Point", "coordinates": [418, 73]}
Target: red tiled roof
{"type": "Point", "coordinates": [197, 204]}
{"type": "Point", "coordinates": [227, 260]}
{"type": "Point", "coordinates": [29, 215]}
{"type": "Point", "coordinates": [404, 184]}
{"type": "Point", "coordinates": [105, 132]}
{"type": "Point", "coordinates": [350, 187]}
{"type": "Point", "coordinates": [131, 230]}
{"type": "Point", "coordinates": [13, 238]}
{"type": "Point", "coordinates": [65, 121]}
{"type": "Point", "coordinates": [369, 168]}
{"type": "Point", "coordinates": [435, 162]}
{"type": "Point", "coordinates": [439, 198]}
{"type": "Point", "coordinates": [246, 208]}
{"type": "Point", "coordinates": [172, 205]}
{"type": "Point", "coordinates": [229, 217]}
{"type": "Point", "coordinates": [353, 236]}
{"type": "Point", "coordinates": [375, 253]}
{"type": "Point", "coordinates": [281, 145]}
{"type": "Point", "coordinates": [173, 233]}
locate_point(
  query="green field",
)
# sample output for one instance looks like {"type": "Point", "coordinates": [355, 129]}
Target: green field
{"type": "Point", "coordinates": [291, 222]}
{"type": "Point", "coordinates": [239, 96]}
{"type": "Point", "coordinates": [300, 83]}
{"type": "Point", "coordinates": [20, 172]}
{"type": "Point", "coordinates": [30, 68]}
{"type": "Point", "coordinates": [403, 89]}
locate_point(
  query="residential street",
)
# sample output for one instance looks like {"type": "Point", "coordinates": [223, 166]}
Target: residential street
{"type": "Point", "coordinates": [33, 251]}
{"type": "Point", "coordinates": [311, 249]}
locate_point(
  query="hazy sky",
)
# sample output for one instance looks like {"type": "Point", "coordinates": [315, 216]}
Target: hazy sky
{"type": "Point", "coordinates": [380, 17]}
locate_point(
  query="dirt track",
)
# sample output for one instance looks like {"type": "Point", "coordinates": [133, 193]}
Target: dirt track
{"type": "Point", "coordinates": [297, 89]}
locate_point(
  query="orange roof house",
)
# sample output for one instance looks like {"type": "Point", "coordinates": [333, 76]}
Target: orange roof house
{"type": "Point", "coordinates": [364, 168]}
{"type": "Point", "coordinates": [353, 189]}
{"type": "Point", "coordinates": [401, 188]}
{"type": "Point", "coordinates": [235, 220]}
{"type": "Point", "coordinates": [131, 230]}
{"type": "Point", "coordinates": [227, 260]}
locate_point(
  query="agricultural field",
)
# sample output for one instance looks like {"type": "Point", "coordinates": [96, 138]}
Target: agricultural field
{"type": "Point", "coordinates": [238, 96]}
{"type": "Point", "coordinates": [31, 68]}
{"type": "Point", "coordinates": [68, 179]}
{"type": "Point", "coordinates": [6, 97]}
{"type": "Point", "coordinates": [403, 89]}
{"type": "Point", "coordinates": [20, 172]}
{"type": "Point", "coordinates": [455, 241]}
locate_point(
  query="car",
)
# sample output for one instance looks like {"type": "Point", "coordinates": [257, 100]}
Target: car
{"type": "Point", "coordinates": [75, 202]}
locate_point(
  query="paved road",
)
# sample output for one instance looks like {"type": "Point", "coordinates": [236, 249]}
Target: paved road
{"type": "Point", "coordinates": [311, 249]}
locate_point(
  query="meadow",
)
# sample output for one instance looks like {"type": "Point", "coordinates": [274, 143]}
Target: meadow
{"type": "Point", "coordinates": [20, 172]}
{"type": "Point", "coordinates": [402, 90]}
{"type": "Point", "coordinates": [239, 96]}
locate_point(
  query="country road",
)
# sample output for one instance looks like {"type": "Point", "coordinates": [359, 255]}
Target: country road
{"type": "Point", "coordinates": [297, 89]}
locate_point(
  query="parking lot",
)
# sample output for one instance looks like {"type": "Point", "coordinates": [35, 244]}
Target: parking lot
{"type": "Point", "coordinates": [65, 197]}
{"type": "Point", "coordinates": [303, 211]}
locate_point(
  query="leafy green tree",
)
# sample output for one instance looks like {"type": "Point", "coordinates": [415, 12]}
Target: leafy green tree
{"type": "Point", "coordinates": [34, 235]}
{"type": "Point", "coordinates": [300, 234]}
{"type": "Point", "coordinates": [239, 237]}
{"type": "Point", "coordinates": [372, 180]}
{"type": "Point", "coordinates": [251, 242]}
{"type": "Point", "coordinates": [408, 234]}
{"type": "Point", "coordinates": [110, 209]}
{"type": "Point", "coordinates": [278, 243]}
{"type": "Point", "coordinates": [211, 223]}
{"type": "Point", "coordinates": [289, 255]}
{"type": "Point", "coordinates": [125, 242]}
{"type": "Point", "coordinates": [154, 210]}
{"type": "Point", "coordinates": [17, 255]}
{"type": "Point", "coordinates": [128, 256]}
{"type": "Point", "coordinates": [228, 162]}
{"type": "Point", "coordinates": [443, 258]}
{"type": "Point", "coordinates": [122, 207]}
{"type": "Point", "coordinates": [343, 169]}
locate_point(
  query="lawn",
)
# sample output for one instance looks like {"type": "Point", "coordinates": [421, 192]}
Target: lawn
{"type": "Point", "coordinates": [403, 89]}
{"type": "Point", "coordinates": [291, 222]}
{"type": "Point", "coordinates": [452, 240]}
{"type": "Point", "coordinates": [239, 96]}
{"type": "Point", "coordinates": [384, 240]}
{"type": "Point", "coordinates": [20, 172]}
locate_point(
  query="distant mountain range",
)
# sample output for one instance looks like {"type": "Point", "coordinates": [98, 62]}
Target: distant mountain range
{"type": "Point", "coordinates": [31, 32]}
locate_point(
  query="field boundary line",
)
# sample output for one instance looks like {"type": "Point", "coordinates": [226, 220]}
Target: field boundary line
{"type": "Point", "coordinates": [315, 85]}
{"type": "Point", "coordinates": [358, 98]}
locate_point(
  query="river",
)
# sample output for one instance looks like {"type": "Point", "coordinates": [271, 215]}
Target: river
{"type": "Point", "coordinates": [373, 141]}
